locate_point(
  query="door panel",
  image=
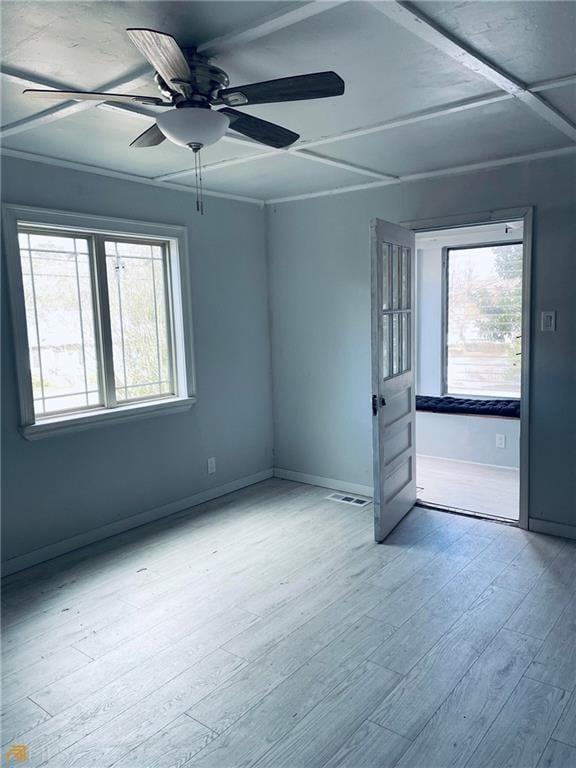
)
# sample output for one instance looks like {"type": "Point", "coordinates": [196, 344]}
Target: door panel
{"type": "Point", "coordinates": [393, 399]}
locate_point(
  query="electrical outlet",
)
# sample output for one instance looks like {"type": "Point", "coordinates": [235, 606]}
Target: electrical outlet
{"type": "Point", "coordinates": [500, 441]}
{"type": "Point", "coordinates": [211, 465]}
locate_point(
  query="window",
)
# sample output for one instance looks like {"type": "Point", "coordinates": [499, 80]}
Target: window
{"type": "Point", "coordinates": [101, 317]}
{"type": "Point", "coordinates": [396, 310]}
{"type": "Point", "coordinates": [483, 320]}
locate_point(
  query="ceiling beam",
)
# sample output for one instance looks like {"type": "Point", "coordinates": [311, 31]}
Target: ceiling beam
{"type": "Point", "coordinates": [547, 85]}
{"type": "Point", "coordinates": [302, 148]}
{"type": "Point", "coordinates": [416, 117]}
{"type": "Point", "coordinates": [455, 171]}
{"type": "Point", "coordinates": [423, 27]}
{"type": "Point", "coordinates": [55, 113]}
{"type": "Point", "coordinates": [399, 11]}
{"type": "Point", "coordinates": [109, 173]}
{"type": "Point", "coordinates": [314, 157]}
{"type": "Point", "coordinates": [310, 156]}
{"type": "Point", "coordinates": [267, 26]}
{"type": "Point", "coordinates": [426, 29]}
{"type": "Point", "coordinates": [218, 165]}
{"type": "Point", "coordinates": [240, 37]}
{"type": "Point", "coordinates": [549, 113]}
{"type": "Point", "coordinates": [134, 80]}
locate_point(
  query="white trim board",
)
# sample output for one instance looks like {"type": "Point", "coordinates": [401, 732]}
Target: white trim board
{"type": "Point", "coordinates": [15, 564]}
{"type": "Point", "coordinates": [255, 31]}
{"type": "Point", "coordinates": [402, 13]}
{"type": "Point", "coordinates": [301, 148]}
{"type": "Point", "coordinates": [21, 562]}
{"type": "Point", "coordinates": [263, 27]}
{"type": "Point", "coordinates": [130, 81]}
{"type": "Point", "coordinates": [419, 24]}
{"type": "Point", "coordinates": [459, 170]}
{"type": "Point", "coordinates": [456, 171]}
{"type": "Point", "coordinates": [464, 461]}
{"type": "Point", "coordinates": [323, 482]}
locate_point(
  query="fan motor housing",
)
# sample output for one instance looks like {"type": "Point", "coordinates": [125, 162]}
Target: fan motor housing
{"type": "Point", "coordinates": [204, 82]}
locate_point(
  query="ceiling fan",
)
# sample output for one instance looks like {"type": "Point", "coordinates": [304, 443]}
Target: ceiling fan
{"type": "Point", "coordinates": [191, 86]}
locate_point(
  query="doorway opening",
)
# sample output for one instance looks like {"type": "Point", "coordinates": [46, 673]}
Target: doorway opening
{"type": "Point", "coordinates": [471, 341]}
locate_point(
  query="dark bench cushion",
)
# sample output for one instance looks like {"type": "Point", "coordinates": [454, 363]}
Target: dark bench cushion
{"type": "Point", "coordinates": [509, 408]}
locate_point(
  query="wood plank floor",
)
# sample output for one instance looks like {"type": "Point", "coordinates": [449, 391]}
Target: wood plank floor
{"type": "Point", "coordinates": [479, 488]}
{"type": "Point", "coordinates": [267, 630]}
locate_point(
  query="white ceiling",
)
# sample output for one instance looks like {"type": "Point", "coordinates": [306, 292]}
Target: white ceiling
{"type": "Point", "coordinates": [410, 106]}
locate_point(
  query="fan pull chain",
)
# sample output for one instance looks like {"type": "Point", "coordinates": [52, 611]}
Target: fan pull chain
{"type": "Point", "coordinates": [198, 177]}
{"type": "Point", "coordinates": [201, 187]}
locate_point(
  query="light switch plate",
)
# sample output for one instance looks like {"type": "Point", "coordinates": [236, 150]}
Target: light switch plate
{"type": "Point", "coordinates": [548, 320]}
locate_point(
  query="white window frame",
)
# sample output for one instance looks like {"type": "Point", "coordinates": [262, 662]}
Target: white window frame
{"type": "Point", "coordinates": [445, 309]}
{"type": "Point", "coordinates": [182, 341]}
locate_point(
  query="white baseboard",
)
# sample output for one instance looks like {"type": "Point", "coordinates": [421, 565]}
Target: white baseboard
{"type": "Point", "coordinates": [464, 461]}
{"type": "Point", "coordinates": [97, 534]}
{"type": "Point", "coordinates": [134, 521]}
{"type": "Point", "coordinates": [324, 482]}
{"type": "Point", "coordinates": [552, 529]}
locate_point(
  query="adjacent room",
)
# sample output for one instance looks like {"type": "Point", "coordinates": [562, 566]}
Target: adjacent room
{"type": "Point", "coordinates": [288, 370]}
{"type": "Point", "coordinates": [469, 299]}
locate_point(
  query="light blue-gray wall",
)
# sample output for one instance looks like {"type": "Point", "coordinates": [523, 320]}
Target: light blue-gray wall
{"type": "Point", "coordinates": [59, 487]}
{"type": "Point", "coordinates": [320, 298]}
{"type": "Point", "coordinates": [317, 263]}
{"type": "Point", "coordinates": [468, 438]}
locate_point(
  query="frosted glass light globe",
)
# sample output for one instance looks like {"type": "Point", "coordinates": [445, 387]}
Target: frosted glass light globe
{"type": "Point", "coordinates": [193, 125]}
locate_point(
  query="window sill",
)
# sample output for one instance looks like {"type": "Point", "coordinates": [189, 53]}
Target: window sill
{"type": "Point", "coordinates": [77, 422]}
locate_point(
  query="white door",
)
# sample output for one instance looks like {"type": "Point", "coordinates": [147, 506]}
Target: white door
{"type": "Point", "coordinates": [393, 396]}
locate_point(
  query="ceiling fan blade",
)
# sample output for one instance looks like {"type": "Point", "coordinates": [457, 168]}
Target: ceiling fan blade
{"type": "Point", "coordinates": [96, 96]}
{"type": "Point", "coordinates": [261, 130]}
{"type": "Point", "coordinates": [163, 52]}
{"type": "Point", "coordinates": [317, 85]}
{"type": "Point", "coordinates": [150, 138]}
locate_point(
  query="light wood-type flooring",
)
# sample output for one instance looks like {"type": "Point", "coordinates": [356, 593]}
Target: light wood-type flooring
{"type": "Point", "coordinates": [478, 488]}
{"type": "Point", "coordinates": [265, 629]}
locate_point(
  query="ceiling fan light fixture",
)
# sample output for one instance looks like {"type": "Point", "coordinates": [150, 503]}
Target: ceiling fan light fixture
{"type": "Point", "coordinates": [193, 126]}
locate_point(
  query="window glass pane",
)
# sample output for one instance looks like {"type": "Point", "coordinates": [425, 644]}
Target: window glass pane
{"type": "Point", "coordinates": [56, 276]}
{"type": "Point", "coordinates": [405, 279]}
{"type": "Point", "coordinates": [385, 276]}
{"type": "Point", "coordinates": [484, 321]}
{"type": "Point", "coordinates": [395, 343]}
{"type": "Point", "coordinates": [52, 243]}
{"type": "Point", "coordinates": [396, 266]}
{"type": "Point", "coordinates": [385, 346]}
{"type": "Point", "coordinates": [405, 341]}
{"type": "Point", "coordinates": [139, 320]}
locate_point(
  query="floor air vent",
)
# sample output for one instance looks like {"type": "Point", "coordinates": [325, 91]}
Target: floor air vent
{"type": "Point", "coordinates": [344, 498]}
